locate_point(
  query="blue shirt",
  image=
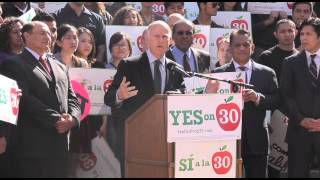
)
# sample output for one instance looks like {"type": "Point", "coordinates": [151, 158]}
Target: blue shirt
{"type": "Point", "coordinates": [178, 56]}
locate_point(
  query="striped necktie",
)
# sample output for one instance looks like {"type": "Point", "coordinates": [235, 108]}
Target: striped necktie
{"type": "Point", "coordinates": [186, 64]}
{"type": "Point", "coordinates": [313, 70]}
{"type": "Point", "coordinates": [45, 64]}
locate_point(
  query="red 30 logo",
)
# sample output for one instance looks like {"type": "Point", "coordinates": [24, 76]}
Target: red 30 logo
{"type": "Point", "coordinates": [222, 161]}
{"type": "Point", "coordinates": [87, 161]}
{"type": "Point", "coordinates": [140, 43]}
{"type": "Point", "coordinates": [14, 101]}
{"type": "Point", "coordinates": [228, 115]}
{"type": "Point", "coordinates": [239, 23]}
{"type": "Point", "coordinates": [199, 40]}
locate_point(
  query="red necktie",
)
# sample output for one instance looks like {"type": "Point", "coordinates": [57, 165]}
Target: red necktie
{"type": "Point", "coordinates": [45, 64]}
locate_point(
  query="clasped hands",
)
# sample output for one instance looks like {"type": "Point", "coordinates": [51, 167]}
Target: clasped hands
{"type": "Point", "coordinates": [311, 124]}
{"type": "Point", "coordinates": [65, 123]}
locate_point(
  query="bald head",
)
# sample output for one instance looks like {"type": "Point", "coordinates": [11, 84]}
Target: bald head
{"type": "Point", "coordinates": [37, 36]}
{"type": "Point", "coordinates": [158, 38]}
{"type": "Point", "coordinates": [159, 24]}
{"type": "Point", "coordinates": [173, 18]}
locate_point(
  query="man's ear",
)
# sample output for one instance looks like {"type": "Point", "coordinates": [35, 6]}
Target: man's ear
{"type": "Point", "coordinates": [253, 47]}
{"type": "Point", "coordinates": [275, 34]}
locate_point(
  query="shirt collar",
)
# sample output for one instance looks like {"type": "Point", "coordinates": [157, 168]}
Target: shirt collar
{"type": "Point", "coordinates": [309, 54]}
{"type": "Point", "coordinates": [248, 65]}
{"type": "Point", "coordinates": [34, 54]}
{"type": "Point", "coordinates": [22, 10]}
{"type": "Point", "coordinates": [152, 58]}
{"type": "Point", "coordinates": [175, 49]}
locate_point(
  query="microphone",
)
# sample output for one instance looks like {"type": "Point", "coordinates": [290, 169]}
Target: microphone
{"type": "Point", "coordinates": [173, 66]}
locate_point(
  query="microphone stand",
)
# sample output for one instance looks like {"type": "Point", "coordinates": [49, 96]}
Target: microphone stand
{"type": "Point", "coordinates": [235, 83]}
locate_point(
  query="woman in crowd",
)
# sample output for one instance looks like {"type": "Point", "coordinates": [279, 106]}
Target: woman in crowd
{"type": "Point", "coordinates": [10, 38]}
{"type": "Point", "coordinates": [86, 48]}
{"type": "Point", "coordinates": [127, 16]}
{"type": "Point", "coordinates": [93, 124]}
{"type": "Point", "coordinates": [120, 48]}
{"type": "Point", "coordinates": [66, 46]}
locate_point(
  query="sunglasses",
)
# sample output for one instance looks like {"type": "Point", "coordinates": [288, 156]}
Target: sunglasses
{"type": "Point", "coordinates": [187, 33]}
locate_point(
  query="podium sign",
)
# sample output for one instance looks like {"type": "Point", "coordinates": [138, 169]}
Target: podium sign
{"type": "Point", "coordinates": [199, 117]}
{"type": "Point", "coordinates": [210, 159]}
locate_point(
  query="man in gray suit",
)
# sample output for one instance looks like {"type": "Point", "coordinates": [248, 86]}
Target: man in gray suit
{"type": "Point", "coordinates": [48, 106]}
{"type": "Point", "coordinates": [263, 96]}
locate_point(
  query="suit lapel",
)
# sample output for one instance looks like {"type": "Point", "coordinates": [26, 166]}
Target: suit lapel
{"type": "Point", "coordinates": [146, 73]}
{"type": "Point", "coordinates": [169, 55]}
{"type": "Point", "coordinates": [304, 68]}
{"type": "Point", "coordinates": [254, 73]}
{"type": "Point", "coordinates": [196, 57]}
{"type": "Point", "coordinates": [54, 69]}
{"type": "Point", "coordinates": [35, 62]}
{"type": "Point", "coordinates": [231, 68]}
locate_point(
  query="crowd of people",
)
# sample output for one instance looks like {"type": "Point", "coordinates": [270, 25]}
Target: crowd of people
{"type": "Point", "coordinates": [281, 59]}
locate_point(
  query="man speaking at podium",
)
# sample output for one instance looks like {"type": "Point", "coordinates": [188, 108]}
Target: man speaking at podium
{"type": "Point", "coordinates": [139, 78]}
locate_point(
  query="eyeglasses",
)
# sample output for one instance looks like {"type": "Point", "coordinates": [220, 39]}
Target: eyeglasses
{"type": "Point", "coordinates": [187, 33]}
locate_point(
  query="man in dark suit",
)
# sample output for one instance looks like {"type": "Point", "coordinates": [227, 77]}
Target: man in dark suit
{"type": "Point", "coordinates": [139, 78]}
{"type": "Point", "coordinates": [48, 106]}
{"type": "Point", "coordinates": [191, 59]}
{"type": "Point", "coordinates": [263, 96]}
{"type": "Point", "coordinates": [300, 87]}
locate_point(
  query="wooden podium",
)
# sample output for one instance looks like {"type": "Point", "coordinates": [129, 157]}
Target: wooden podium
{"type": "Point", "coordinates": [147, 153]}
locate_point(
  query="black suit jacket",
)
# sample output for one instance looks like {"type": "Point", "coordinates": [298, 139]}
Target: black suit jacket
{"type": "Point", "coordinates": [202, 59]}
{"type": "Point", "coordinates": [301, 98]}
{"type": "Point", "coordinates": [137, 71]}
{"type": "Point", "coordinates": [254, 128]}
{"type": "Point", "coordinates": [44, 99]}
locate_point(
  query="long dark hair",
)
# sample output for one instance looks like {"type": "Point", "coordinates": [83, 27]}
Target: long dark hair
{"type": "Point", "coordinates": [119, 17]}
{"type": "Point", "coordinates": [63, 30]}
{"type": "Point", "coordinates": [5, 29]}
{"type": "Point", "coordinates": [91, 56]}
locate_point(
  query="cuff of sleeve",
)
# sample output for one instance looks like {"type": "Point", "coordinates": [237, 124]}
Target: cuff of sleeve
{"type": "Point", "coordinates": [118, 100]}
{"type": "Point", "coordinates": [258, 100]}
